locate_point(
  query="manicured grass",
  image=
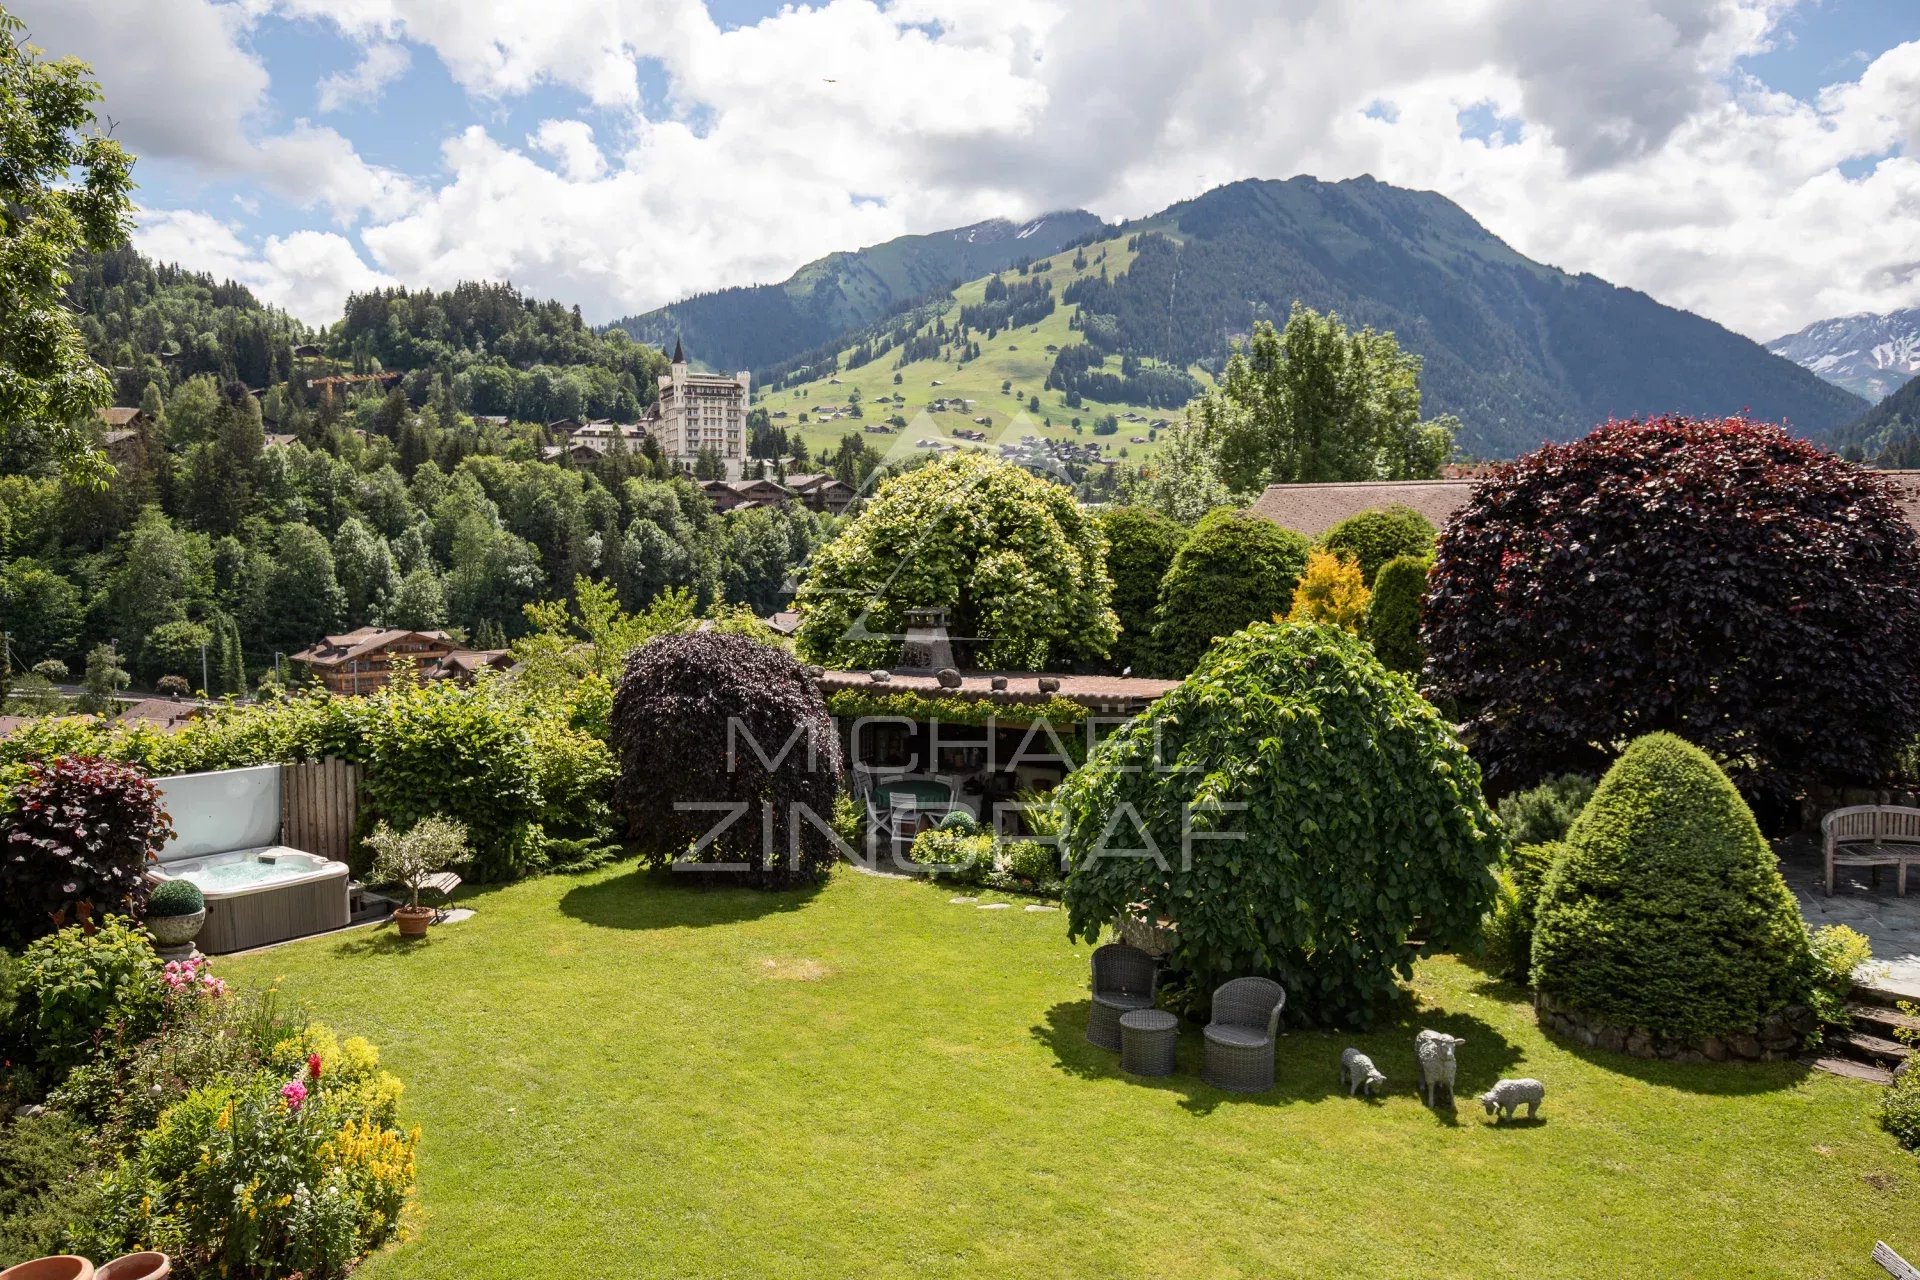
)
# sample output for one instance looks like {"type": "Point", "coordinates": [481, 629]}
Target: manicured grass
{"type": "Point", "coordinates": [619, 1077]}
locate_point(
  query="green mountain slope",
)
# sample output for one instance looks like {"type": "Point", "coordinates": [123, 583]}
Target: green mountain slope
{"type": "Point", "coordinates": [758, 326]}
{"type": "Point", "coordinates": [1890, 431]}
{"type": "Point", "coordinates": [1521, 351]}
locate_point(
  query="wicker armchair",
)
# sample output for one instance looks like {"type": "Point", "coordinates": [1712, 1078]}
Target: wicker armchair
{"type": "Point", "coordinates": [1123, 980]}
{"type": "Point", "coordinates": [1240, 1039]}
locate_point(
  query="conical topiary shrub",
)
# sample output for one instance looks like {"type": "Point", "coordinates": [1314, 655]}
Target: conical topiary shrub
{"type": "Point", "coordinates": [1667, 912]}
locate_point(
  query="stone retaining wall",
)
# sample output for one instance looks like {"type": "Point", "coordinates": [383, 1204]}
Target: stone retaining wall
{"type": "Point", "coordinates": [1776, 1039]}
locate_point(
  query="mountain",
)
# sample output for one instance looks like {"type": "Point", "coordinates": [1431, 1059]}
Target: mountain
{"type": "Point", "coordinates": [1888, 433]}
{"type": "Point", "coordinates": [757, 326]}
{"type": "Point", "coordinates": [1520, 351]}
{"type": "Point", "coordinates": [1870, 355]}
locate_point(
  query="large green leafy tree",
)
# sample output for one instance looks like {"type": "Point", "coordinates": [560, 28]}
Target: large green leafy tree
{"type": "Point", "coordinates": [42, 611]}
{"type": "Point", "coordinates": [1317, 401]}
{"type": "Point", "coordinates": [1235, 569]}
{"type": "Point", "coordinates": [1667, 913]}
{"type": "Point", "coordinates": [63, 189]}
{"type": "Point", "coordinates": [1141, 544]}
{"type": "Point", "coordinates": [1295, 809]}
{"type": "Point", "coordinates": [1719, 579]}
{"type": "Point", "coordinates": [1019, 566]}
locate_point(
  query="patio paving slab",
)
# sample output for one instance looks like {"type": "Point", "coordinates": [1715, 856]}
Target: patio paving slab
{"type": "Point", "coordinates": [1891, 923]}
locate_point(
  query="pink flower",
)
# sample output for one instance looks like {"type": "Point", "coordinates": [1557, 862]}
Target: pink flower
{"type": "Point", "coordinates": [295, 1094]}
{"type": "Point", "coordinates": [313, 1066]}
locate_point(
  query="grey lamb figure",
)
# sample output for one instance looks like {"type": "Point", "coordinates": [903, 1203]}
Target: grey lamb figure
{"type": "Point", "coordinates": [1434, 1051]}
{"type": "Point", "coordinates": [1358, 1073]}
{"type": "Point", "coordinates": [1506, 1095]}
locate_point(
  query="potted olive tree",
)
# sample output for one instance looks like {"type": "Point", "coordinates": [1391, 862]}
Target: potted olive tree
{"type": "Point", "coordinates": [175, 911]}
{"type": "Point", "coordinates": [409, 859]}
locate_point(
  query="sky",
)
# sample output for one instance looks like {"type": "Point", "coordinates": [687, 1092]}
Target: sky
{"type": "Point", "coordinates": [1755, 161]}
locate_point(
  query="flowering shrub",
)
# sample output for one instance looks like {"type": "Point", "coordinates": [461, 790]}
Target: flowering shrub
{"type": "Point", "coordinates": [1721, 580]}
{"type": "Point", "coordinates": [259, 1177]}
{"type": "Point", "coordinates": [79, 987]}
{"type": "Point", "coordinates": [76, 843]}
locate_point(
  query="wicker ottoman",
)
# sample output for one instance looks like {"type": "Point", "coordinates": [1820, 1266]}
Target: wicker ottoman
{"type": "Point", "coordinates": [1147, 1041]}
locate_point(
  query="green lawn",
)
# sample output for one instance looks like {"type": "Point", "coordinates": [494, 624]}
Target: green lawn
{"type": "Point", "coordinates": [621, 1078]}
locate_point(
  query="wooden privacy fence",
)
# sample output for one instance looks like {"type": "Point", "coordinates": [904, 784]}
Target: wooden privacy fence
{"type": "Point", "coordinates": [319, 805]}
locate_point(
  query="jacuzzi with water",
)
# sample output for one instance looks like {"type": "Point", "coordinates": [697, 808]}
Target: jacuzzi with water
{"type": "Point", "coordinates": [227, 832]}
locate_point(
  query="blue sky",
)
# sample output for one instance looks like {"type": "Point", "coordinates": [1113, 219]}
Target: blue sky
{"type": "Point", "coordinates": [624, 153]}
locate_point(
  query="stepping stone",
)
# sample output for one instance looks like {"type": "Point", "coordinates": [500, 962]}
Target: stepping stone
{"type": "Point", "coordinates": [456, 915]}
{"type": "Point", "coordinates": [993, 906]}
{"type": "Point", "coordinates": [1034, 906]}
{"type": "Point", "coordinates": [960, 901]}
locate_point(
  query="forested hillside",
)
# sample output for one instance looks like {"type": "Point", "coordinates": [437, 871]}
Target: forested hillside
{"type": "Point", "coordinates": [760, 326]}
{"type": "Point", "coordinates": [391, 501]}
{"type": "Point", "coordinates": [1889, 433]}
{"type": "Point", "coordinates": [150, 322]}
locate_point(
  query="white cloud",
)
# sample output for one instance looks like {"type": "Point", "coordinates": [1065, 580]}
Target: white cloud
{"type": "Point", "coordinates": [381, 63]}
{"type": "Point", "coordinates": [309, 273]}
{"type": "Point", "coordinates": [1638, 151]}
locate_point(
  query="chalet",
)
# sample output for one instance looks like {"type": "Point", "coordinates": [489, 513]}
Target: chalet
{"type": "Point", "coordinates": [164, 714]}
{"type": "Point", "coordinates": [564, 427]}
{"type": "Point", "coordinates": [125, 418]}
{"type": "Point", "coordinates": [361, 660]}
{"type": "Point", "coordinates": [819, 492]}
{"type": "Point", "coordinates": [740, 495]}
{"type": "Point", "coordinates": [308, 351]}
{"type": "Point", "coordinates": [279, 439]}
{"type": "Point", "coordinates": [491, 419]}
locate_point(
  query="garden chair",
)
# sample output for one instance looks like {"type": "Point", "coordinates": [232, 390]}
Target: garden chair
{"type": "Point", "coordinates": [1240, 1039]}
{"type": "Point", "coordinates": [1124, 978]}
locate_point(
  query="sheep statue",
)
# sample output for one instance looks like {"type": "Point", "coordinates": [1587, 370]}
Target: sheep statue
{"type": "Point", "coordinates": [1358, 1073]}
{"type": "Point", "coordinates": [1434, 1052]}
{"type": "Point", "coordinates": [1507, 1095]}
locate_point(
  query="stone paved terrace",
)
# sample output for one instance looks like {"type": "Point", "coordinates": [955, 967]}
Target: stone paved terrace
{"type": "Point", "coordinates": [1891, 923]}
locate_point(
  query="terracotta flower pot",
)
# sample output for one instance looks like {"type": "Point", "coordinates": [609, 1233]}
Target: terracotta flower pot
{"type": "Point", "coordinates": [413, 921]}
{"type": "Point", "coordinates": [136, 1266]}
{"type": "Point", "coordinates": [65, 1267]}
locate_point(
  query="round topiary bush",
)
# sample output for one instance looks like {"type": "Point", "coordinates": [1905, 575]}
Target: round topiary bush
{"type": "Point", "coordinates": [75, 842]}
{"type": "Point", "coordinates": [1294, 808]}
{"type": "Point", "coordinates": [1141, 544]}
{"type": "Point", "coordinates": [1393, 613]}
{"type": "Point", "coordinates": [1236, 568]}
{"type": "Point", "coordinates": [1666, 912]}
{"type": "Point", "coordinates": [175, 898]}
{"type": "Point", "coordinates": [737, 728]}
{"type": "Point", "coordinates": [1717, 579]}
{"type": "Point", "coordinates": [1019, 567]}
{"type": "Point", "coordinates": [1374, 537]}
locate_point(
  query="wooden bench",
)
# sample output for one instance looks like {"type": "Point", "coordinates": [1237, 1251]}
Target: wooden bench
{"type": "Point", "coordinates": [1872, 835]}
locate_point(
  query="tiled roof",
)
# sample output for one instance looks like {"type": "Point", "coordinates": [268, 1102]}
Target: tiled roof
{"type": "Point", "coordinates": [164, 712]}
{"type": "Point", "coordinates": [119, 415]}
{"type": "Point", "coordinates": [1312, 509]}
{"type": "Point", "coordinates": [1103, 693]}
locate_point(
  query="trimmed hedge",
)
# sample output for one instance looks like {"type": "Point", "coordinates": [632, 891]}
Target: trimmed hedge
{"type": "Point", "coordinates": [1375, 537]}
{"type": "Point", "coordinates": [738, 727]}
{"type": "Point", "coordinates": [1141, 545]}
{"type": "Point", "coordinates": [1393, 613]}
{"type": "Point", "coordinates": [1667, 913]}
{"type": "Point", "coordinates": [1236, 569]}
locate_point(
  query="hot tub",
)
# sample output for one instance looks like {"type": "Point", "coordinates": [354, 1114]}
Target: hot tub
{"type": "Point", "coordinates": [263, 895]}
